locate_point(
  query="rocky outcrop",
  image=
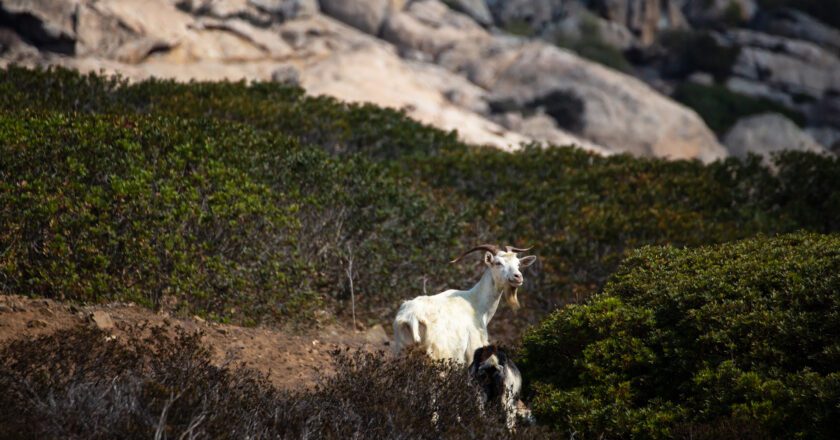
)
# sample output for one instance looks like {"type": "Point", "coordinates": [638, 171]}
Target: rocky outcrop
{"type": "Point", "coordinates": [618, 111]}
{"type": "Point", "coordinates": [797, 67]}
{"type": "Point", "coordinates": [48, 24]}
{"type": "Point", "coordinates": [798, 25]}
{"type": "Point", "coordinates": [440, 66]}
{"type": "Point", "coordinates": [366, 16]}
{"type": "Point", "coordinates": [712, 12]}
{"type": "Point", "coordinates": [645, 18]}
{"type": "Point", "coordinates": [532, 15]}
{"type": "Point", "coordinates": [826, 136]}
{"type": "Point", "coordinates": [262, 13]}
{"type": "Point", "coordinates": [476, 9]}
{"type": "Point", "coordinates": [767, 133]}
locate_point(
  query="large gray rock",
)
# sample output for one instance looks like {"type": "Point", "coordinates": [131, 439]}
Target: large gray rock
{"type": "Point", "coordinates": [795, 24]}
{"type": "Point", "coordinates": [533, 14]}
{"type": "Point", "coordinates": [430, 27]}
{"type": "Point", "coordinates": [793, 66]}
{"type": "Point", "coordinates": [260, 12]}
{"type": "Point", "coordinates": [49, 24]}
{"type": "Point", "coordinates": [828, 137]}
{"type": "Point", "coordinates": [477, 9]}
{"type": "Point", "coordinates": [767, 133]}
{"type": "Point", "coordinates": [619, 111]}
{"type": "Point", "coordinates": [716, 12]}
{"type": "Point", "coordinates": [579, 24]}
{"type": "Point", "coordinates": [366, 15]}
{"type": "Point", "coordinates": [645, 18]}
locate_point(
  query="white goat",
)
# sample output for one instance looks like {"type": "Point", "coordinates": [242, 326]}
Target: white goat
{"type": "Point", "coordinates": [453, 323]}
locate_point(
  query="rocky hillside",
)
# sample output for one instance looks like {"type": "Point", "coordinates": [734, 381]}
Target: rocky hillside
{"type": "Point", "coordinates": [597, 74]}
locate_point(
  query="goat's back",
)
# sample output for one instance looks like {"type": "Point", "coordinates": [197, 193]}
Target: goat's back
{"type": "Point", "coordinates": [443, 324]}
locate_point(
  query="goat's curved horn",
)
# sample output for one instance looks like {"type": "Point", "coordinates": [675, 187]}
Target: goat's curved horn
{"type": "Point", "coordinates": [482, 247]}
{"type": "Point", "coordinates": [516, 249]}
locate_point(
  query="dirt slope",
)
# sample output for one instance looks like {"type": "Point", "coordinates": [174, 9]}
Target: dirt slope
{"type": "Point", "coordinates": [291, 358]}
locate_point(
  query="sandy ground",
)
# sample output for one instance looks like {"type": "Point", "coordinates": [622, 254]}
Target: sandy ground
{"type": "Point", "coordinates": [292, 359]}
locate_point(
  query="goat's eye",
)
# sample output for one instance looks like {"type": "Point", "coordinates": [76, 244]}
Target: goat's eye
{"type": "Point", "coordinates": [497, 263]}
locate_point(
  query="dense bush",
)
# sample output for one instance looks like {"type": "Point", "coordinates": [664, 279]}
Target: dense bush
{"type": "Point", "coordinates": [231, 221]}
{"type": "Point", "coordinates": [693, 51]}
{"type": "Point", "coordinates": [584, 212]}
{"type": "Point", "coordinates": [741, 338]}
{"type": "Point", "coordinates": [81, 384]}
{"type": "Point", "coordinates": [320, 121]}
{"type": "Point", "coordinates": [721, 108]}
{"type": "Point", "coordinates": [401, 199]}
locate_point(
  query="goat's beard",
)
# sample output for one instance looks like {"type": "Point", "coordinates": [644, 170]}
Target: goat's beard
{"type": "Point", "coordinates": [510, 297]}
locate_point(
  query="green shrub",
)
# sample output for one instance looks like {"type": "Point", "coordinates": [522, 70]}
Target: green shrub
{"type": "Point", "coordinates": [584, 212]}
{"type": "Point", "coordinates": [519, 27]}
{"type": "Point", "coordinates": [591, 45]}
{"type": "Point", "coordinates": [399, 197]}
{"type": "Point", "coordinates": [721, 108]}
{"type": "Point", "coordinates": [78, 384]}
{"type": "Point", "coordinates": [687, 340]}
{"type": "Point", "coordinates": [321, 121]}
{"type": "Point", "coordinates": [692, 51]}
{"type": "Point", "coordinates": [230, 221]}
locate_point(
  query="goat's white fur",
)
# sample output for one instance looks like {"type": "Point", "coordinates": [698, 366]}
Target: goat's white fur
{"type": "Point", "coordinates": [453, 323]}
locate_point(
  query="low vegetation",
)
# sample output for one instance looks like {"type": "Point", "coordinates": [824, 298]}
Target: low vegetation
{"type": "Point", "coordinates": [157, 383]}
{"type": "Point", "coordinates": [255, 203]}
{"type": "Point", "coordinates": [249, 202]}
{"type": "Point", "coordinates": [740, 340]}
{"type": "Point", "coordinates": [721, 108]}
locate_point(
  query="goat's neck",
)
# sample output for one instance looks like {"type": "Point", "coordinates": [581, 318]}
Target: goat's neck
{"type": "Point", "coordinates": [485, 297]}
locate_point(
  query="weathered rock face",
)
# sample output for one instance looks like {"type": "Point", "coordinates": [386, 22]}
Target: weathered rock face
{"type": "Point", "coordinates": [645, 18]}
{"type": "Point", "coordinates": [711, 12]}
{"type": "Point", "coordinates": [46, 23]}
{"type": "Point", "coordinates": [795, 24]}
{"type": "Point", "coordinates": [533, 14]}
{"type": "Point", "coordinates": [476, 9]}
{"type": "Point", "coordinates": [767, 133]}
{"type": "Point", "coordinates": [366, 16]}
{"type": "Point", "coordinates": [440, 66]}
{"type": "Point", "coordinates": [430, 27]}
{"type": "Point", "coordinates": [580, 23]}
{"type": "Point", "coordinates": [619, 111]}
{"type": "Point", "coordinates": [826, 136]}
{"type": "Point", "coordinates": [797, 67]}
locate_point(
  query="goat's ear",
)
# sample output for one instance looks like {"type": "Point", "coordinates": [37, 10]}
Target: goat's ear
{"type": "Point", "coordinates": [527, 261]}
{"type": "Point", "coordinates": [488, 258]}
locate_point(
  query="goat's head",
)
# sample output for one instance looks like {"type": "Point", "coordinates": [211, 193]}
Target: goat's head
{"type": "Point", "coordinates": [488, 369]}
{"type": "Point", "coordinates": [505, 267]}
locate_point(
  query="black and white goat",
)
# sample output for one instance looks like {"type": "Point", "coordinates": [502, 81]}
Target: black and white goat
{"type": "Point", "coordinates": [500, 382]}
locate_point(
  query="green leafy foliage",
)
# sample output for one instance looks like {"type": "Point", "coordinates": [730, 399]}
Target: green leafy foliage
{"type": "Point", "coordinates": [229, 221]}
{"type": "Point", "coordinates": [585, 212]}
{"type": "Point", "coordinates": [322, 121]}
{"type": "Point", "coordinates": [249, 202]}
{"type": "Point", "coordinates": [692, 51]}
{"type": "Point", "coordinates": [721, 108]}
{"type": "Point", "coordinates": [695, 340]}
